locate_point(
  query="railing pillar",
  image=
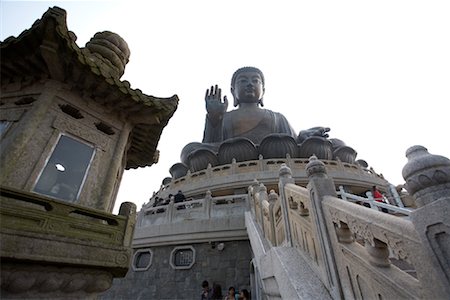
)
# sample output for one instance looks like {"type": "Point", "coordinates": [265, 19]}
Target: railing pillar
{"type": "Point", "coordinates": [170, 210]}
{"type": "Point", "coordinates": [320, 186]}
{"type": "Point", "coordinates": [207, 203]}
{"type": "Point", "coordinates": [285, 178]}
{"type": "Point", "coordinates": [128, 209]}
{"type": "Point", "coordinates": [252, 190]}
{"type": "Point", "coordinates": [427, 179]}
{"type": "Point", "coordinates": [273, 197]}
{"type": "Point", "coordinates": [262, 196]}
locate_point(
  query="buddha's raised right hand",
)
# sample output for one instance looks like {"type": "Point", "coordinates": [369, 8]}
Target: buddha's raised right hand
{"type": "Point", "coordinates": [215, 107]}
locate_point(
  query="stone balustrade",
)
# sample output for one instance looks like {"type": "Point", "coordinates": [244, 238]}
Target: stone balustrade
{"type": "Point", "coordinates": [239, 174]}
{"type": "Point", "coordinates": [53, 248]}
{"type": "Point", "coordinates": [356, 252]}
{"type": "Point", "coordinates": [205, 208]}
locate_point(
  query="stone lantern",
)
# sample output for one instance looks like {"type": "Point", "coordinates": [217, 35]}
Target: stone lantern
{"type": "Point", "coordinates": [69, 127]}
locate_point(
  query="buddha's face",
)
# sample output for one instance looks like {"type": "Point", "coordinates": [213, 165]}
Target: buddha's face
{"type": "Point", "coordinates": [248, 87]}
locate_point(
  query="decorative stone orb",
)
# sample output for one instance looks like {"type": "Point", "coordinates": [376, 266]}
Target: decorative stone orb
{"type": "Point", "coordinates": [112, 48]}
{"type": "Point", "coordinates": [241, 149]}
{"type": "Point", "coordinates": [178, 170]}
{"type": "Point", "coordinates": [277, 145]}
{"type": "Point", "coordinates": [317, 146]}
{"type": "Point", "coordinates": [200, 158]}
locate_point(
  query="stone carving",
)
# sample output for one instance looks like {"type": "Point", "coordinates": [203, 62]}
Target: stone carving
{"type": "Point", "coordinates": [398, 248]}
{"type": "Point", "coordinates": [269, 131]}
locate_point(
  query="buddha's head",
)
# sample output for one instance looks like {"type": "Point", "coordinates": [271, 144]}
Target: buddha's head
{"type": "Point", "coordinates": [247, 86]}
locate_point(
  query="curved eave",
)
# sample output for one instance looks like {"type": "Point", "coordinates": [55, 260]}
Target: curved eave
{"type": "Point", "coordinates": [47, 50]}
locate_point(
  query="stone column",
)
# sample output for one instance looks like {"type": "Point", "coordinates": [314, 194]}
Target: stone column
{"type": "Point", "coordinates": [128, 209]}
{"type": "Point", "coordinates": [427, 179]}
{"type": "Point", "coordinates": [320, 186]}
{"type": "Point", "coordinates": [262, 196]}
{"type": "Point", "coordinates": [285, 178]}
{"type": "Point", "coordinates": [110, 184]}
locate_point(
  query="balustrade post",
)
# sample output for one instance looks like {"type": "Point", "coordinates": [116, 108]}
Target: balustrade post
{"type": "Point", "coordinates": [262, 196]}
{"type": "Point", "coordinates": [128, 209]}
{"type": "Point", "coordinates": [427, 179]}
{"type": "Point", "coordinates": [207, 203]}
{"type": "Point", "coordinates": [273, 197]}
{"type": "Point", "coordinates": [285, 178]}
{"type": "Point", "coordinates": [169, 210]}
{"type": "Point", "coordinates": [319, 186]}
{"type": "Point", "coordinates": [396, 196]}
{"type": "Point", "coordinates": [253, 189]}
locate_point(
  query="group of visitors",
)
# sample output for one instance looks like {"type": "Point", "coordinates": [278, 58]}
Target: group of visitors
{"type": "Point", "coordinates": [177, 198]}
{"type": "Point", "coordinates": [216, 292]}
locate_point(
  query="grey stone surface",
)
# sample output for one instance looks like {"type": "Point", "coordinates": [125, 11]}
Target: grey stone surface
{"type": "Point", "coordinates": [229, 267]}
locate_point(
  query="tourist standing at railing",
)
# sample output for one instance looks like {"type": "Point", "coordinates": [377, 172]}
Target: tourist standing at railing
{"type": "Point", "coordinates": [378, 197]}
{"type": "Point", "coordinates": [179, 197]}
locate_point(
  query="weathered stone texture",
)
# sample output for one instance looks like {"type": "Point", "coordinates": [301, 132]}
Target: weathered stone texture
{"type": "Point", "coordinates": [229, 267]}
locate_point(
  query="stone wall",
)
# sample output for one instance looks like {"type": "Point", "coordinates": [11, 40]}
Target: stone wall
{"type": "Point", "coordinates": [227, 267]}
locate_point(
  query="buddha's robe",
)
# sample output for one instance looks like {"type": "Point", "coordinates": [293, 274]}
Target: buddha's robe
{"type": "Point", "coordinates": [255, 128]}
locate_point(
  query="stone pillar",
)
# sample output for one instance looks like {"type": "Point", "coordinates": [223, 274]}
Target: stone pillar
{"type": "Point", "coordinates": [207, 204]}
{"type": "Point", "coordinates": [285, 178]}
{"type": "Point", "coordinates": [110, 184]}
{"type": "Point", "coordinates": [273, 198]}
{"type": "Point", "coordinates": [128, 209]}
{"type": "Point", "coordinates": [262, 196]}
{"type": "Point", "coordinates": [320, 186]}
{"type": "Point", "coordinates": [12, 152]}
{"type": "Point", "coordinates": [427, 179]}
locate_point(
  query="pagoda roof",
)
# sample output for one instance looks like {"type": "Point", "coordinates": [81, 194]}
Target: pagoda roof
{"type": "Point", "coordinates": [48, 50]}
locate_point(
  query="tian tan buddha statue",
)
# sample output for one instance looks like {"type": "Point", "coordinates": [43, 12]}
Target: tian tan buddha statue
{"type": "Point", "coordinates": [250, 130]}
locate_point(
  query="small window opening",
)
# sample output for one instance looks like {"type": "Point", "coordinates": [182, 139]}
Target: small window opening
{"type": "Point", "coordinates": [25, 101]}
{"type": "Point", "coordinates": [71, 111]}
{"type": "Point", "coordinates": [104, 128]}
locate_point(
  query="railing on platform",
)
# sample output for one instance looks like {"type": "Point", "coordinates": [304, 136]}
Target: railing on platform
{"type": "Point", "coordinates": [205, 208]}
{"type": "Point", "coordinates": [370, 202]}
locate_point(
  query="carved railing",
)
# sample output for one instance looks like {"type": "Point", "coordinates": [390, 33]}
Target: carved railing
{"type": "Point", "coordinates": [205, 208]}
{"type": "Point", "coordinates": [357, 252]}
{"type": "Point", "coordinates": [243, 173]}
{"type": "Point", "coordinates": [46, 245]}
{"type": "Point", "coordinates": [371, 203]}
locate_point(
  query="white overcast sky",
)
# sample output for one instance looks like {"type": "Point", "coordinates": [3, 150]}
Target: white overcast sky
{"type": "Point", "coordinates": [376, 72]}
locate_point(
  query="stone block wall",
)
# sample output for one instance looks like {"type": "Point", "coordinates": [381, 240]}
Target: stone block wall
{"type": "Point", "coordinates": [227, 267]}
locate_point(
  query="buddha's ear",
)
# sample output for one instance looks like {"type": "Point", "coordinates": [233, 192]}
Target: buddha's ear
{"type": "Point", "coordinates": [261, 100]}
{"type": "Point", "coordinates": [236, 102]}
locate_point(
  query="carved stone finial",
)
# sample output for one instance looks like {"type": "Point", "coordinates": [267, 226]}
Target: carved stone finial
{"type": "Point", "coordinates": [273, 196]}
{"type": "Point", "coordinates": [285, 171]}
{"type": "Point", "coordinates": [427, 176]}
{"type": "Point", "coordinates": [112, 48]}
{"type": "Point", "coordinates": [262, 188]}
{"type": "Point", "coordinates": [315, 167]}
